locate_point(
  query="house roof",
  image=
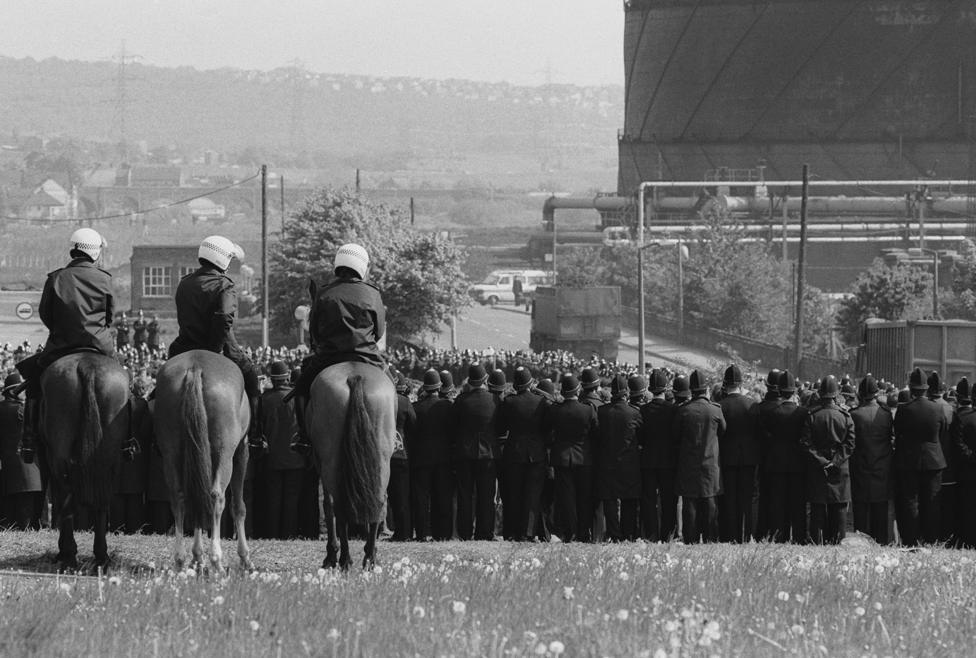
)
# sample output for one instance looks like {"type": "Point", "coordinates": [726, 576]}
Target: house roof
{"type": "Point", "coordinates": [42, 198]}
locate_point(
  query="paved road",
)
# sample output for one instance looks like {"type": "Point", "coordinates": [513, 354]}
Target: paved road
{"type": "Point", "coordinates": [506, 327]}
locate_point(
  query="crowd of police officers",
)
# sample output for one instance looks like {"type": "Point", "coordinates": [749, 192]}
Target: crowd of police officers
{"type": "Point", "coordinates": [600, 455]}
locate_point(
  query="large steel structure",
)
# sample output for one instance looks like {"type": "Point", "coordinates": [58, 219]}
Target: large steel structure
{"type": "Point", "coordinates": [857, 89]}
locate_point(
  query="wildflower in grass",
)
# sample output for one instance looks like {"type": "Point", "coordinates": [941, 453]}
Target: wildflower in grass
{"type": "Point", "coordinates": [783, 596]}
{"type": "Point", "coordinates": [536, 563]}
{"type": "Point", "coordinates": [796, 629]}
{"type": "Point", "coordinates": [672, 626]}
{"type": "Point", "coordinates": [624, 576]}
{"type": "Point", "coordinates": [859, 611]}
{"type": "Point", "coordinates": [857, 594]}
{"type": "Point", "coordinates": [114, 580]}
{"type": "Point", "coordinates": [255, 626]}
{"type": "Point", "coordinates": [656, 601]}
{"type": "Point", "coordinates": [737, 592]}
{"type": "Point", "coordinates": [799, 598]}
{"type": "Point", "coordinates": [459, 607]}
{"type": "Point", "coordinates": [568, 593]}
{"type": "Point", "coordinates": [65, 589]}
{"type": "Point", "coordinates": [218, 600]}
{"type": "Point", "coordinates": [660, 653]}
{"type": "Point", "coordinates": [540, 649]}
{"type": "Point", "coordinates": [556, 647]}
{"type": "Point", "coordinates": [321, 572]}
{"type": "Point", "coordinates": [623, 614]}
{"type": "Point", "coordinates": [191, 572]}
{"type": "Point", "coordinates": [333, 634]}
{"type": "Point", "coordinates": [877, 606]}
{"type": "Point", "coordinates": [449, 558]}
{"type": "Point", "coordinates": [419, 612]}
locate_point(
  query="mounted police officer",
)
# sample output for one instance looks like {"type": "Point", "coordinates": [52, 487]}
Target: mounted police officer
{"type": "Point", "coordinates": [77, 308]}
{"type": "Point", "coordinates": [206, 309]}
{"type": "Point", "coordinates": [346, 323]}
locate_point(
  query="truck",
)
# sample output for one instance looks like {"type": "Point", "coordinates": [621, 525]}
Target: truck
{"type": "Point", "coordinates": [584, 321]}
{"type": "Point", "coordinates": [891, 350]}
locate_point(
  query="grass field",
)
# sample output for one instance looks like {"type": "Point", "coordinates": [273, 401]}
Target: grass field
{"type": "Point", "coordinates": [493, 599]}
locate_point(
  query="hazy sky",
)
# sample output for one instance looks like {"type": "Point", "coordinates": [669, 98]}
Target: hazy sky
{"type": "Point", "coordinates": [495, 40]}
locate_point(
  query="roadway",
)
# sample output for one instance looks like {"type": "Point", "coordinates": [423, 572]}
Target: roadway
{"type": "Point", "coordinates": [506, 327]}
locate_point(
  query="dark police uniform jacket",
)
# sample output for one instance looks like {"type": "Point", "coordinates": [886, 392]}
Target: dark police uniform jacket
{"type": "Point", "coordinates": [784, 424]}
{"type": "Point", "coordinates": [430, 444]}
{"type": "Point", "coordinates": [521, 417]}
{"type": "Point", "coordinates": [571, 429]}
{"type": "Point", "coordinates": [475, 435]}
{"type": "Point", "coordinates": [919, 424]}
{"type": "Point", "coordinates": [406, 417]}
{"type": "Point", "coordinates": [658, 447]}
{"type": "Point", "coordinates": [16, 476]}
{"type": "Point", "coordinates": [206, 308]}
{"type": "Point", "coordinates": [740, 443]}
{"type": "Point", "coordinates": [618, 456]}
{"type": "Point", "coordinates": [963, 433]}
{"type": "Point", "coordinates": [828, 437]}
{"type": "Point", "coordinates": [278, 426]}
{"type": "Point", "coordinates": [77, 308]}
{"type": "Point", "coordinates": [347, 321]}
{"type": "Point", "coordinates": [872, 465]}
{"type": "Point", "coordinates": [698, 426]}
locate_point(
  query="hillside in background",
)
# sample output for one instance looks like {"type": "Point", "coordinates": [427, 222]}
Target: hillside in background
{"type": "Point", "coordinates": [440, 132]}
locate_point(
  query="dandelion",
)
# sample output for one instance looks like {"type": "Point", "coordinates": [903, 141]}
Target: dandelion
{"type": "Point", "coordinates": [660, 653]}
{"type": "Point", "coordinates": [622, 614]}
{"type": "Point", "coordinates": [568, 593]}
{"type": "Point", "coordinates": [255, 626]}
{"type": "Point", "coordinates": [624, 576]}
{"type": "Point", "coordinates": [218, 600]}
{"type": "Point", "coordinates": [540, 649]}
{"type": "Point", "coordinates": [459, 607]}
{"type": "Point", "coordinates": [419, 612]}
{"type": "Point", "coordinates": [737, 592]}
{"type": "Point", "coordinates": [65, 588]}
{"type": "Point", "coordinates": [449, 558]}
{"type": "Point", "coordinates": [556, 647]}
{"type": "Point", "coordinates": [114, 580]}
{"type": "Point", "coordinates": [536, 563]}
{"type": "Point", "coordinates": [191, 572]}
{"type": "Point", "coordinates": [879, 569]}
{"type": "Point", "coordinates": [656, 601]}
{"type": "Point", "coordinates": [859, 611]}
{"type": "Point", "coordinates": [877, 606]}
{"type": "Point", "coordinates": [321, 572]}
{"type": "Point", "coordinates": [799, 598]}
{"type": "Point", "coordinates": [783, 596]}
{"type": "Point", "coordinates": [796, 629]}
{"type": "Point", "coordinates": [672, 626]}
{"type": "Point", "coordinates": [333, 634]}
{"type": "Point", "coordinates": [712, 630]}
{"type": "Point", "coordinates": [856, 593]}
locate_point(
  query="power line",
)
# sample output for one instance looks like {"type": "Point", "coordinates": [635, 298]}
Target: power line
{"type": "Point", "coordinates": [128, 215]}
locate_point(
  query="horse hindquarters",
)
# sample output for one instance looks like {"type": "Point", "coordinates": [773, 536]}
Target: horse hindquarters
{"type": "Point", "coordinates": [360, 475]}
{"type": "Point", "coordinates": [197, 465]}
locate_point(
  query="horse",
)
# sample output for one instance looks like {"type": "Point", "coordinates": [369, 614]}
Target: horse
{"type": "Point", "coordinates": [351, 422]}
{"type": "Point", "coordinates": [200, 419]}
{"type": "Point", "coordinates": [84, 421]}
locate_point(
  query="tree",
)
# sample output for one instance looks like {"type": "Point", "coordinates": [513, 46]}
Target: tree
{"type": "Point", "coordinates": [887, 292]}
{"type": "Point", "coordinates": [960, 302]}
{"type": "Point", "coordinates": [419, 275]}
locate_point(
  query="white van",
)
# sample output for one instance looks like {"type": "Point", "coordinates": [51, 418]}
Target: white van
{"type": "Point", "coordinates": [497, 286]}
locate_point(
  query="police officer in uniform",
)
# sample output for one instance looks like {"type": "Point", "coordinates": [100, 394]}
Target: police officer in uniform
{"type": "Point", "coordinates": [571, 428]}
{"type": "Point", "coordinates": [919, 425]}
{"type": "Point", "coordinates": [475, 441]}
{"type": "Point", "coordinates": [346, 323]}
{"type": "Point", "coordinates": [430, 467]}
{"type": "Point", "coordinates": [77, 307]}
{"type": "Point", "coordinates": [784, 465]}
{"type": "Point", "coordinates": [739, 449]}
{"type": "Point", "coordinates": [828, 437]}
{"type": "Point", "coordinates": [770, 401]}
{"type": "Point", "coordinates": [963, 431]}
{"type": "Point", "coordinates": [872, 472]}
{"type": "Point", "coordinates": [698, 427]}
{"type": "Point", "coordinates": [949, 501]}
{"type": "Point", "coordinates": [206, 310]}
{"type": "Point", "coordinates": [284, 468]}
{"type": "Point", "coordinates": [658, 462]}
{"type": "Point", "coordinates": [21, 493]}
{"type": "Point", "coordinates": [618, 481]}
{"type": "Point", "coordinates": [398, 489]}
{"type": "Point", "coordinates": [520, 416]}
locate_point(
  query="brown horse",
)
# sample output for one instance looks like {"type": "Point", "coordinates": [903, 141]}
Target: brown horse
{"type": "Point", "coordinates": [352, 425]}
{"type": "Point", "coordinates": [84, 421]}
{"type": "Point", "coordinates": [200, 418]}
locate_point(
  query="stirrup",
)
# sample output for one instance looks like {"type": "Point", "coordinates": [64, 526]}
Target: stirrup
{"type": "Point", "coordinates": [27, 451]}
{"type": "Point", "coordinates": [300, 445]}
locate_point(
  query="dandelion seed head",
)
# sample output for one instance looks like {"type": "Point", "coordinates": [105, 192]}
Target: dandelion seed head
{"type": "Point", "coordinates": [556, 647]}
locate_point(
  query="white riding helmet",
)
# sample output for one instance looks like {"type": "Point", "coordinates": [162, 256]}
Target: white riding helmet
{"type": "Point", "coordinates": [354, 257]}
{"type": "Point", "coordinates": [219, 250]}
{"type": "Point", "coordinates": [89, 241]}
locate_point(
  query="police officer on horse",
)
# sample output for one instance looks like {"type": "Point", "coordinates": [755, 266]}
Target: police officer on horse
{"type": "Point", "coordinates": [346, 322]}
{"type": "Point", "coordinates": [77, 308]}
{"type": "Point", "coordinates": [206, 309]}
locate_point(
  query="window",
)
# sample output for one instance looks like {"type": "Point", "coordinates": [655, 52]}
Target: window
{"type": "Point", "coordinates": [184, 270]}
{"type": "Point", "coordinates": [156, 282]}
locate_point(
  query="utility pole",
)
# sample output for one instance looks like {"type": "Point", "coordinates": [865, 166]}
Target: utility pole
{"type": "Point", "coordinates": [264, 256]}
{"type": "Point", "coordinates": [357, 181]}
{"type": "Point", "coordinates": [122, 100]}
{"type": "Point", "coordinates": [800, 272]}
{"type": "Point", "coordinates": [281, 182]}
{"type": "Point", "coordinates": [411, 211]}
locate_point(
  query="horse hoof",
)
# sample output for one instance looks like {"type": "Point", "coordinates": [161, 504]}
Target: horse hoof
{"type": "Point", "coordinates": [345, 564]}
{"type": "Point", "coordinates": [330, 562]}
{"type": "Point", "coordinates": [67, 564]}
{"type": "Point", "coordinates": [368, 564]}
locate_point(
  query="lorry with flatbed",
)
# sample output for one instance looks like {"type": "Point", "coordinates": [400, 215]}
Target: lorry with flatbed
{"type": "Point", "coordinates": [584, 321]}
{"type": "Point", "coordinates": [891, 350]}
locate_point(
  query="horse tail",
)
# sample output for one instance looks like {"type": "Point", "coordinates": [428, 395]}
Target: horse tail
{"type": "Point", "coordinates": [94, 480]}
{"type": "Point", "coordinates": [195, 442]}
{"type": "Point", "coordinates": [360, 483]}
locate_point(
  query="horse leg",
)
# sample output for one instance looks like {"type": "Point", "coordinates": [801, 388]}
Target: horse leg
{"type": "Point", "coordinates": [101, 545]}
{"type": "Point", "coordinates": [179, 548]}
{"type": "Point", "coordinates": [67, 548]}
{"type": "Point", "coordinates": [332, 545]}
{"type": "Point", "coordinates": [197, 548]}
{"type": "Point", "coordinates": [237, 507]}
{"type": "Point", "coordinates": [217, 553]}
{"type": "Point", "coordinates": [342, 528]}
{"type": "Point", "coordinates": [369, 556]}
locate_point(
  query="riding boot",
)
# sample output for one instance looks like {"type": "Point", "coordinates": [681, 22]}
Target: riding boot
{"type": "Point", "coordinates": [254, 438]}
{"type": "Point", "coordinates": [28, 435]}
{"type": "Point", "coordinates": [300, 443]}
